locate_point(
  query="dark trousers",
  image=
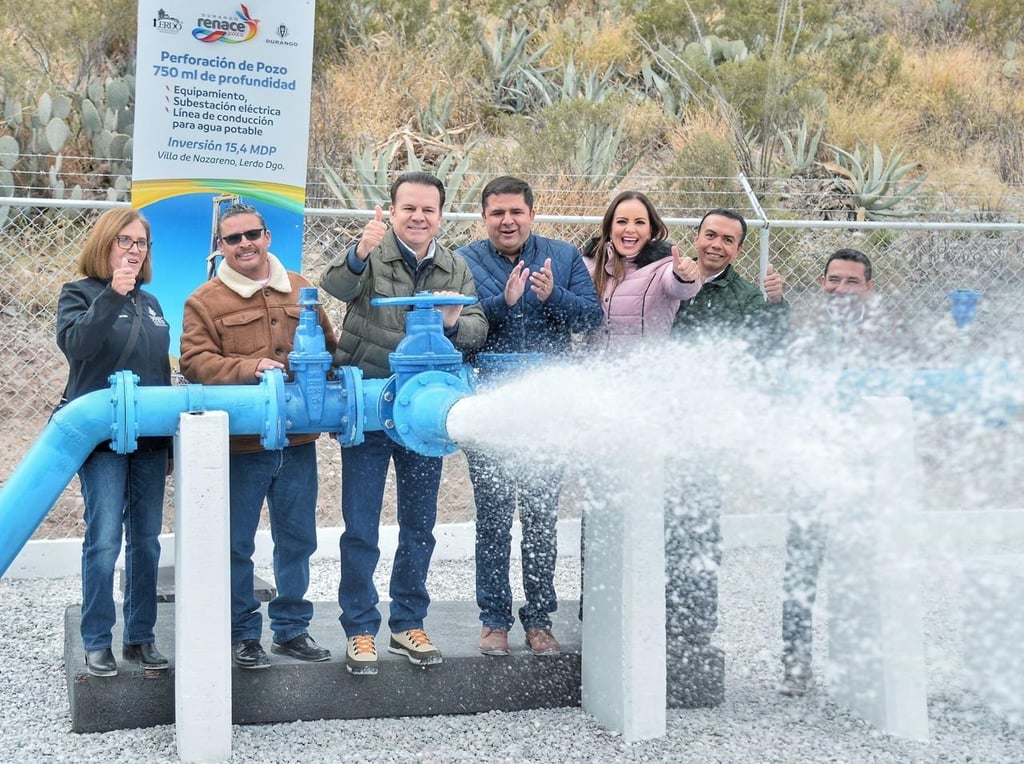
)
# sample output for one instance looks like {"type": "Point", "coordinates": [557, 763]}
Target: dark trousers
{"type": "Point", "coordinates": [806, 542]}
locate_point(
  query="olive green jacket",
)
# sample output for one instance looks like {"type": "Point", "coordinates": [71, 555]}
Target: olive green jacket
{"type": "Point", "coordinates": [731, 304]}
{"type": "Point", "coordinates": [369, 333]}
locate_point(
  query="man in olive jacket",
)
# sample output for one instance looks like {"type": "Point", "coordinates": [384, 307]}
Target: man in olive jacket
{"type": "Point", "coordinates": [395, 262]}
{"type": "Point", "coordinates": [727, 302]}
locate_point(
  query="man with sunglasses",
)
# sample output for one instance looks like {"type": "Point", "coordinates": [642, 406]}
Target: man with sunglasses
{"type": "Point", "coordinates": [238, 325]}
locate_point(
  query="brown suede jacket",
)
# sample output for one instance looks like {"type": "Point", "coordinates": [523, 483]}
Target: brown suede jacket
{"type": "Point", "coordinates": [231, 322]}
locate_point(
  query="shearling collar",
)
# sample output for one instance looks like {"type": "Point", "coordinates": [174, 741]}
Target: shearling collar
{"type": "Point", "coordinates": [245, 287]}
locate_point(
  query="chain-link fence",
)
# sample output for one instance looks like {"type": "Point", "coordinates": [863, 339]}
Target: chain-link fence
{"type": "Point", "coordinates": [915, 263]}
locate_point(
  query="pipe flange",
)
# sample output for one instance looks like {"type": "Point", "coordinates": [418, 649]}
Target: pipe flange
{"type": "Point", "coordinates": [124, 422]}
{"type": "Point", "coordinates": [274, 435]}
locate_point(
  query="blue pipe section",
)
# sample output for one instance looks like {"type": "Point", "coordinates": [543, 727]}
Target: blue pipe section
{"type": "Point", "coordinates": [411, 406]}
{"type": "Point", "coordinates": [986, 388]}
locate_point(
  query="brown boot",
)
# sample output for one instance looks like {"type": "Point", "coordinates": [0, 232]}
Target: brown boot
{"type": "Point", "coordinates": [542, 642]}
{"type": "Point", "coordinates": [494, 641]}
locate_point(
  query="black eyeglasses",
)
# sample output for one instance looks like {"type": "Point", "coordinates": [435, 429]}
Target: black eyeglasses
{"type": "Point", "coordinates": [236, 238]}
{"type": "Point", "coordinates": [125, 242]}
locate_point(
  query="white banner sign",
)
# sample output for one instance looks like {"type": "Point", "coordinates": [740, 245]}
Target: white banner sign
{"type": "Point", "coordinates": [222, 95]}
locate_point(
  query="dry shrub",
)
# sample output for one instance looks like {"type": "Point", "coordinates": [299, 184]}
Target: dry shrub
{"type": "Point", "coordinates": [371, 96]}
{"type": "Point", "coordinates": [702, 169]}
{"type": "Point", "coordinates": [875, 122]}
{"type": "Point", "coordinates": [561, 198]}
{"type": "Point", "coordinates": [594, 43]}
{"type": "Point", "coordinates": [957, 97]}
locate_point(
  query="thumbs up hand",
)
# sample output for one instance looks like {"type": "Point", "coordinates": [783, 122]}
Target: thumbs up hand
{"type": "Point", "coordinates": [773, 285]}
{"type": "Point", "coordinates": [122, 280]}
{"type": "Point", "coordinates": [373, 234]}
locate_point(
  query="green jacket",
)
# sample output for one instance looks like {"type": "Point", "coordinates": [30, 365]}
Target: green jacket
{"type": "Point", "coordinates": [370, 333]}
{"type": "Point", "coordinates": [732, 304]}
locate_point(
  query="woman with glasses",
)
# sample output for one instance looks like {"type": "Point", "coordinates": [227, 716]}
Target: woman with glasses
{"type": "Point", "coordinates": [107, 323]}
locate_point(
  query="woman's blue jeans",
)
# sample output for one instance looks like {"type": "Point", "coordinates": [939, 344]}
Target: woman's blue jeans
{"type": "Point", "coordinates": [287, 479]}
{"type": "Point", "coordinates": [364, 470]}
{"type": "Point", "coordinates": [121, 492]}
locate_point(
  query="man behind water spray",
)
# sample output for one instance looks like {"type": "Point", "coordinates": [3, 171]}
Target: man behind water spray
{"type": "Point", "coordinates": [844, 320]}
{"type": "Point", "coordinates": [728, 307]}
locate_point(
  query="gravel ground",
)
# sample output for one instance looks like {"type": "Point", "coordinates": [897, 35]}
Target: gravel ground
{"type": "Point", "coordinates": [754, 724]}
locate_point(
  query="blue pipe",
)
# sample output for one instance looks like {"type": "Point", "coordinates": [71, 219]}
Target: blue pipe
{"type": "Point", "coordinates": [411, 406]}
{"type": "Point", "coordinates": [985, 388]}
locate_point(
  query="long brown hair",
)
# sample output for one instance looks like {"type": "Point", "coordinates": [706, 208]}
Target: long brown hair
{"type": "Point", "coordinates": [603, 247]}
{"type": "Point", "coordinates": [94, 262]}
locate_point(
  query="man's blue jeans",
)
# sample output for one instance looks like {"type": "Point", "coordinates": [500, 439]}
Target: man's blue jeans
{"type": "Point", "coordinates": [121, 491]}
{"type": "Point", "coordinates": [496, 484]}
{"type": "Point", "coordinates": [806, 543]}
{"type": "Point", "coordinates": [287, 479]}
{"type": "Point", "coordinates": [364, 469]}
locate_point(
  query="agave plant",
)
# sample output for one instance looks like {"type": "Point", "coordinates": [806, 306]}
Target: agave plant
{"type": "Point", "coordinates": [374, 175]}
{"type": "Point", "coordinates": [596, 156]}
{"type": "Point", "coordinates": [800, 148]}
{"type": "Point", "coordinates": [370, 185]}
{"type": "Point", "coordinates": [870, 183]}
{"type": "Point", "coordinates": [518, 79]}
{"type": "Point", "coordinates": [433, 118]}
{"type": "Point", "coordinates": [592, 86]}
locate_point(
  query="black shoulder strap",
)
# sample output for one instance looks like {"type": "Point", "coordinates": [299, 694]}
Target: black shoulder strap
{"type": "Point", "coordinates": [133, 335]}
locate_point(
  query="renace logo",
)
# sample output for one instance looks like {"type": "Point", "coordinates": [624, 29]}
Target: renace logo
{"type": "Point", "coordinates": [241, 27]}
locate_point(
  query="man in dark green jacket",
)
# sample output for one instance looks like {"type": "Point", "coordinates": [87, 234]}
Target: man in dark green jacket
{"type": "Point", "coordinates": [727, 302]}
{"type": "Point", "coordinates": [727, 305]}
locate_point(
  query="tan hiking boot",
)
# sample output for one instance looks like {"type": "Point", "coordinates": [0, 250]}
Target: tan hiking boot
{"type": "Point", "coordinates": [361, 655]}
{"type": "Point", "coordinates": [415, 645]}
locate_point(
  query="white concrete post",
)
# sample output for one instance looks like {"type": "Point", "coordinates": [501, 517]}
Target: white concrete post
{"type": "Point", "coordinates": [876, 665]}
{"type": "Point", "coordinates": [202, 602]}
{"type": "Point", "coordinates": [623, 663]}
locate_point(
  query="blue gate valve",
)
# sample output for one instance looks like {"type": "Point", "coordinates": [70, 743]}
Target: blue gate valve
{"type": "Point", "coordinates": [429, 376]}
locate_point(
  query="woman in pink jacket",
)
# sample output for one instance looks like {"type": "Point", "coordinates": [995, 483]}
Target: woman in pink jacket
{"type": "Point", "coordinates": [640, 277]}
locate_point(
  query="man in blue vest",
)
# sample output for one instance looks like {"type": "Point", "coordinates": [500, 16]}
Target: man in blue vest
{"type": "Point", "coordinates": [536, 293]}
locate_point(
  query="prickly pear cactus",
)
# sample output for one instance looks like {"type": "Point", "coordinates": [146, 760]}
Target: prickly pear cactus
{"type": "Point", "coordinates": [96, 124]}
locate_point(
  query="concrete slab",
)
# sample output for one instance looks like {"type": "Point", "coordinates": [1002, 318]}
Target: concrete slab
{"type": "Point", "coordinates": [290, 690]}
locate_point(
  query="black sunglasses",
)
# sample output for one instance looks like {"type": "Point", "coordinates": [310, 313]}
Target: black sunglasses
{"type": "Point", "coordinates": [236, 238]}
